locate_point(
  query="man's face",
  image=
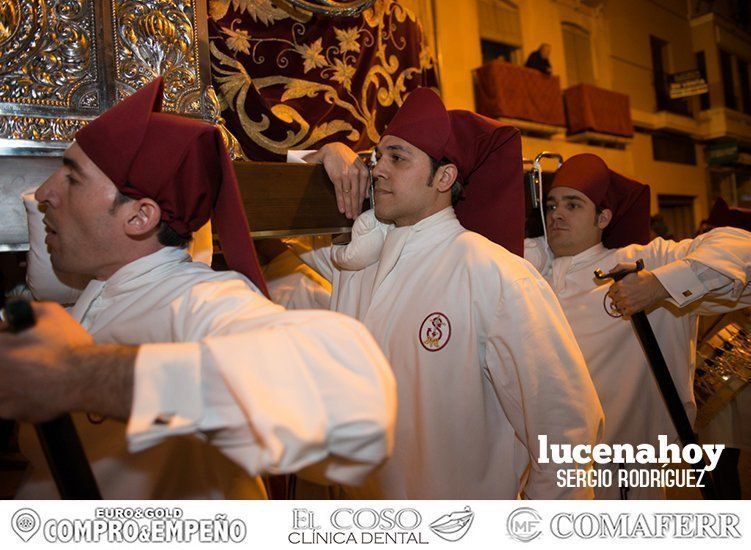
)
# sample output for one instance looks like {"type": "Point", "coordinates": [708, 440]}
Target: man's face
{"type": "Point", "coordinates": [545, 52]}
{"type": "Point", "coordinates": [81, 226]}
{"type": "Point", "coordinates": [402, 175]}
{"type": "Point", "coordinates": [572, 221]}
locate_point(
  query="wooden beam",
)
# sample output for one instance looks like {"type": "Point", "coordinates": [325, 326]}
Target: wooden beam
{"type": "Point", "coordinates": [282, 199]}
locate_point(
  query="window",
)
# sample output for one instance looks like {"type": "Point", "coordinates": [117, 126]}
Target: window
{"type": "Point", "coordinates": [496, 50]}
{"type": "Point", "coordinates": [701, 64]}
{"type": "Point", "coordinates": [726, 68]}
{"type": "Point", "coordinates": [578, 52]}
{"type": "Point", "coordinates": [743, 80]}
{"type": "Point", "coordinates": [659, 50]}
{"type": "Point", "coordinates": [661, 74]}
{"type": "Point", "coordinates": [677, 212]}
{"type": "Point", "coordinates": [732, 184]}
{"type": "Point", "coordinates": [500, 30]}
{"type": "Point", "coordinates": [669, 147]}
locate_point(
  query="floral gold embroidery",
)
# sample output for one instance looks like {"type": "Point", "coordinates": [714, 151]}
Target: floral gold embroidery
{"type": "Point", "coordinates": [316, 83]}
{"type": "Point", "coordinates": [348, 40]}
{"type": "Point", "coordinates": [237, 40]}
{"type": "Point", "coordinates": [343, 73]}
{"type": "Point", "coordinates": [312, 56]}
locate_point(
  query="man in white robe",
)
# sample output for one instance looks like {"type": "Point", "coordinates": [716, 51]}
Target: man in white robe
{"type": "Point", "coordinates": [195, 361]}
{"type": "Point", "coordinates": [592, 214]}
{"type": "Point", "coordinates": [483, 356]}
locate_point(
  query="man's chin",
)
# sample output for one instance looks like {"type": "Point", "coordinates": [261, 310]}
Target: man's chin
{"type": "Point", "coordinates": [559, 247]}
{"type": "Point", "coordinates": [59, 265]}
{"type": "Point", "coordinates": [383, 216]}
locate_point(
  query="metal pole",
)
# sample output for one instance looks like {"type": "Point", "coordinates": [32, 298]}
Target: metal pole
{"type": "Point", "coordinates": [59, 439]}
{"type": "Point", "coordinates": [664, 380]}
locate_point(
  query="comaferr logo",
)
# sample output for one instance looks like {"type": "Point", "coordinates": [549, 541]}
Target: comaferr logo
{"type": "Point", "coordinates": [435, 331]}
{"type": "Point", "coordinates": [523, 524]}
{"type": "Point", "coordinates": [698, 525]}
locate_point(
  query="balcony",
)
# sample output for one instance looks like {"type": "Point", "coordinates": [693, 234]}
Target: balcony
{"type": "Point", "coordinates": [720, 122]}
{"type": "Point", "coordinates": [597, 115]}
{"type": "Point", "coordinates": [522, 97]}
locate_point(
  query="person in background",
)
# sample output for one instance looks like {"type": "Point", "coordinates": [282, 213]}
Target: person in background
{"type": "Point", "coordinates": [597, 218]}
{"type": "Point", "coordinates": [540, 60]}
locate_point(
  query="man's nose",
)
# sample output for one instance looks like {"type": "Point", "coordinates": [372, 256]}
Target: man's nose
{"type": "Point", "coordinates": [47, 192]}
{"type": "Point", "coordinates": [378, 170]}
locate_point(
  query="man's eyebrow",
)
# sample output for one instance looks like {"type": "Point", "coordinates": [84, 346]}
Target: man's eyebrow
{"type": "Point", "coordinates": [72, 164]}
{"type": "Point", "coordinates": [572, 198]}
{"type": "Point", "coordinates": [400, 148]}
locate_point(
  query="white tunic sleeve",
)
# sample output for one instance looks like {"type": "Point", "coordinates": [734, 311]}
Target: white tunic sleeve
{"type": "Point", "coordinates": [537, 252]}
{"type": "Point", "coordinates": [276, 391]}
{"type": "Point", "coordinates": [681, 268]}
{"type": "Point", "coordinates": [315, 252]}
{"type": "Point", "coordinates": [541, 380]}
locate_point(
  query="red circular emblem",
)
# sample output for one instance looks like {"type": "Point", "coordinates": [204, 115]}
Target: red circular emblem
{"type": "Point", "coordinates": [435, 331]}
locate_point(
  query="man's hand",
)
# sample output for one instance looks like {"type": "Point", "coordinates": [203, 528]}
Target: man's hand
{"type": "Point", "coordinates": [36, 382]}
{"type": "Point", "coordinates": [348, 173]}
{"type": "Point", "coordinates": [636, 291]}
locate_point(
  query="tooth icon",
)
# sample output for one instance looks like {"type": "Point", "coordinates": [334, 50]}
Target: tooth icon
{"type": "Point", "coordinates": [454, 526]}
{"type": "Point", "coordinates": [25, 523]}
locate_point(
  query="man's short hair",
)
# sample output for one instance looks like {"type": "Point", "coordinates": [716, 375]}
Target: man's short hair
{"type": "Point", "coordinates": [457, 189]}
{"type": "Point", "coordinates": [165, 234]}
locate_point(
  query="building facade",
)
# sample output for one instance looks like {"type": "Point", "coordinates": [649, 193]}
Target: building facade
{"type": "Point", "coordinates": [690, 150]}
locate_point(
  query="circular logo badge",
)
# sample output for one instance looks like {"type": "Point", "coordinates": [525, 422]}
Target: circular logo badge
{"type": "Point", "coordinates": [435, 331]}
{"type": "Point", "coordinates": [523, 524]}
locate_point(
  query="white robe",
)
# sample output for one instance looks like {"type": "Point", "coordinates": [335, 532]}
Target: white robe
{"type": "Point", "coordinates": [483, 357]}
{"type": "Point", "coordinates": [275, 391]}
{"type": "Point", "coordinates": [634, 410]}
{"type": "Point", "coordinates": [294, 285]}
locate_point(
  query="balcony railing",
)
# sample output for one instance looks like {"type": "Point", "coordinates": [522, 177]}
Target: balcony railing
{"type": "Point", "coordinates": [593, 109]}
{"type": "Point", "coordinates": [503, 90]}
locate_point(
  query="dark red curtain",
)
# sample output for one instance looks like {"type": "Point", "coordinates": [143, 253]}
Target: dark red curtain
{"type": "Point", "coordinates": [296, 81]}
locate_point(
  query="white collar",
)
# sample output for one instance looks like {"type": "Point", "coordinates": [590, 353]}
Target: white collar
{"type": "Point", "coordinates": [582, 258]}
{"type": "Point", "coordinates": [425, 236]}
{"type": "Point", "coordinates": [131, 274]}
{"type": "Point", "coordinates": [564, 265]}
{"type": "Point", "coordinates": [129, 277]}
{"type": "Point", "coordinates": [369, 237]}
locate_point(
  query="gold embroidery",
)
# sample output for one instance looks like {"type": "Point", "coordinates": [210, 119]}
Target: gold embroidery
{"type": "Point", "coordinates": [337, 63]}
{"type": "Point", "coordinates": [312, 55]}
{"type": "Point", "coordinates": [348, 40]}
{"type": "Point", "coordinates": [237, 40]}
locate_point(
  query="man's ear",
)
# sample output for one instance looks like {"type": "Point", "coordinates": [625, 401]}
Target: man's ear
{"type": "Point", "coordinates": [604, 218]}
{"type": "Point", "coordinates": [445, 177]}
{"type": "Point", "coordinates": [142, 217]}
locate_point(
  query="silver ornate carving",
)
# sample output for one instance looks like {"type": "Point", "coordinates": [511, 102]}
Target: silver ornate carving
{"type": "Point", "coordinates": [158, 37]}
{"type": "Point", "coordinates": [215, 117]}
{"type": "Point", "coordinates": [40, 128]}
{"type": "Point", "coordinates": [9, 19]}
{"type": "Point", "coordinates": [47, 54]}
{"type": "Point", "coordinates": [63, 62]}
